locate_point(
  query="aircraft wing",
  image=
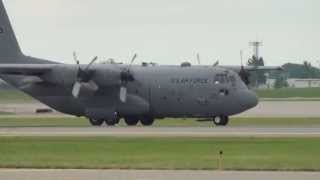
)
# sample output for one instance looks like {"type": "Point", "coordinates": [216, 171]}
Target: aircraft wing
{"type": "Point", "coordinates": [25, 69]}
{"type": "Point", "coordinates": [253, 68]}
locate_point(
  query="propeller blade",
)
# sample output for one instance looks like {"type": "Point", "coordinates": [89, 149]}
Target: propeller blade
{"type": "Point", "coordinates": [75, 58]}
{"type": "Point", "coordinates": [76, 89]}
{"type": "Point", "coordinates": [241, 57]}
{"type": "Point", "coordinates": [134, 58]}
{"type": "Point", "coordinates": [216, 63]}
{"type": "Point", "coordinates": [92, 61]}
{"type": "Point", "coordinates": [132, 61]}
{"type": "Point", "coordinates": [198, 59]}
{"type": "Point", "coordinates": [123, 94]}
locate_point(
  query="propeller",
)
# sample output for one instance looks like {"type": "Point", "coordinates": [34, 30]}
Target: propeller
{"type": "Point", "coordinates": [84, 78]}
{"type": "Point", "coordinates": [216, 63]}
{"type": "Point", "coordinates": [198, 59]}
{"type": "Point", "coordinates": [126, 76]}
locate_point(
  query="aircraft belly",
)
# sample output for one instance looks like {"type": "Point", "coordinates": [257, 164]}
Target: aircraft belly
{"type": "Point", "coordinates": [63, 104]}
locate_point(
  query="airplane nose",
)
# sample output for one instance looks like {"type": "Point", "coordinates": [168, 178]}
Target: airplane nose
{"type": "Point", "coordinates": [249, 99]}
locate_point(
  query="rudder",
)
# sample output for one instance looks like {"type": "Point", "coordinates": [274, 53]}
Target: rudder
{"type": "Point", "coordinates": [9, 47]}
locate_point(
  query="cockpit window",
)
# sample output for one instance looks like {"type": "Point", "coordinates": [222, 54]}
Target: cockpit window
{"type": "Point", "coordinates": [221, 78]}
{"type": "Point", "coordinates": [232, 80]}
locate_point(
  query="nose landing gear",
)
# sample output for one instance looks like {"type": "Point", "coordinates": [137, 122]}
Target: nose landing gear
{"type": "Point", "coordinates": [221, 120]}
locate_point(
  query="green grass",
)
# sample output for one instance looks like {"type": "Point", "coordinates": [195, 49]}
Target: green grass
{"type": "Point", "coordinates": [160, 153]}
{"type": "Point", "coordinates": [8, 121]}
{"type": "Point", "coordinates": [289, 93]}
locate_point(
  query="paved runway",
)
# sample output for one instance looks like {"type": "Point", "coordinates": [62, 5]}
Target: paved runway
{"type": "Point", "coordinates": [284, 109]}
{"type": "Point", "coordinates": [164, 132]}
{"type": "Point", "coordinates": [22, 174]}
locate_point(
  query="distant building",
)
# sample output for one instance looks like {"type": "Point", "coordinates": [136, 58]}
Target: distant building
{"type": "Point", "coordinates": [294, 83]}
{"type": "Point", "coordinates": [303, 83]}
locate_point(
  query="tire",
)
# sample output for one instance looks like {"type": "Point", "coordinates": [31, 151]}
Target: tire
{"type": "Point", "coordinates": [131, 121]}
{"type": "Point", "coordinates": [112, 122]}
{"type": "Point", "coordinates": [147, 121]}
{"type": "Point", "coordinates": [96, 122]}
{"type": "Point", "coordinates": [221, 120]}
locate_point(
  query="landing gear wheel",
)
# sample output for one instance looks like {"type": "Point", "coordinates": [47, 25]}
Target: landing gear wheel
{"type": "Point", "coordinates": [131, 121]}
{"type": "Point", "coordinates": [221, 120]}
{"type": "Point", "coordinates": [147, 121]}
{"type": "Point", "coordinates": [96, 122]}
{"type": "Point", "coordinates": [112, 122]}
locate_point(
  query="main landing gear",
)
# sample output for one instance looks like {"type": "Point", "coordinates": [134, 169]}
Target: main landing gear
{"type": "Point", "coordinates": [147, 121]}
{"type": "Point", "coordinates": [109, 122]}
{"type": "Point", "coordinates": [112, 122]}
{"type": "Point", "coordinates": [221, 120]}
{"type": "Point", "coordinates": [129, 120]}
{"type": "Point", "coordinates": [133, 120]}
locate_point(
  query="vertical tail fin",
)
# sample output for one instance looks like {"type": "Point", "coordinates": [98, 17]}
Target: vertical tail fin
{"type": "Point", "coordinates": [9, 47]}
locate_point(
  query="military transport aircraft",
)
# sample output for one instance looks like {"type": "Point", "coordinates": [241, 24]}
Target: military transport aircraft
{"type": "Point", "coordinates": [108, 92]}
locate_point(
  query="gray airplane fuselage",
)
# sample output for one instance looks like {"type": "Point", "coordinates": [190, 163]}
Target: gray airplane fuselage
{"type": "Point", "coordinates": [158, 91]}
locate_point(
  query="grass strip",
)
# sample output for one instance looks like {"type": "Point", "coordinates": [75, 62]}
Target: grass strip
{"type": "Point", "coordinates": [160, 153]}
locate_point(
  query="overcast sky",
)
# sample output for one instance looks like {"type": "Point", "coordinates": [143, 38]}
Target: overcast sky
{"type": "Point", "coordinates": [168, 31]}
